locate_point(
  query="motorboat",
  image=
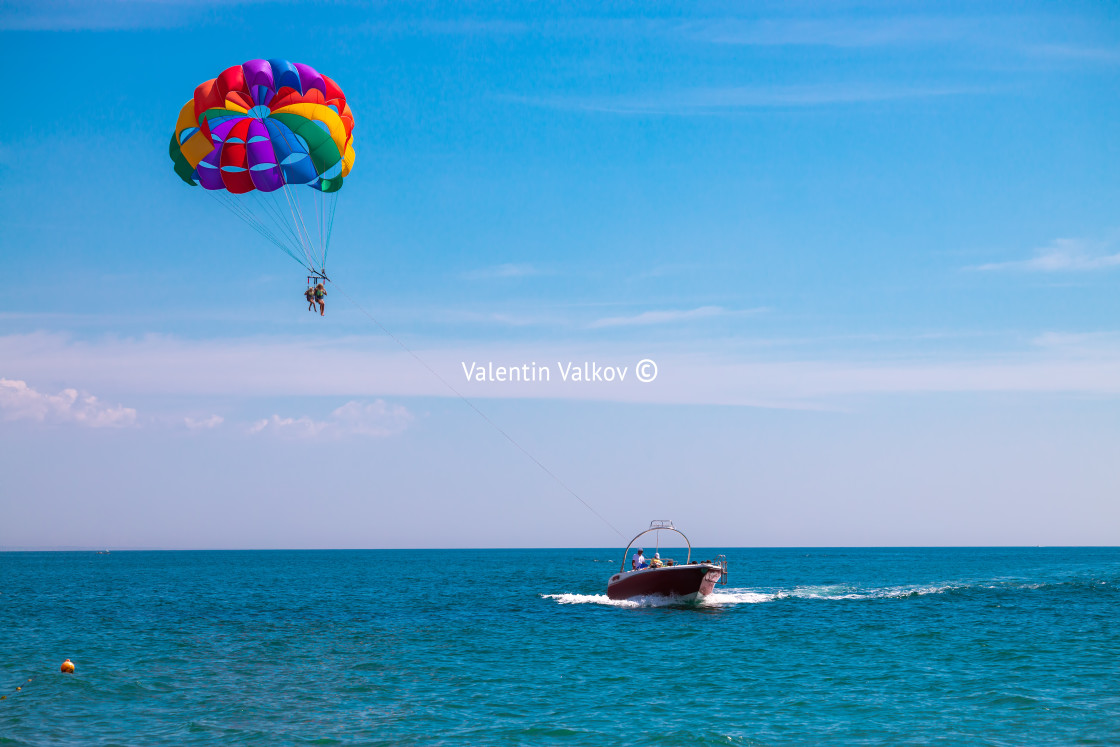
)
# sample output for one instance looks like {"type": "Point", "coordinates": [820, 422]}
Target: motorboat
{"type": "Point", "coordinates": [688, 581]}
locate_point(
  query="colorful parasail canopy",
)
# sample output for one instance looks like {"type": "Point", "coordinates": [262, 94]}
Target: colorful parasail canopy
{"type": "Point", "coordinates": [261, 129]}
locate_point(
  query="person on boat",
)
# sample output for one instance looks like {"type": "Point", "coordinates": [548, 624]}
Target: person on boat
{"type": "Point", "coordinates": [639, 561]}
{"type": "Point", "coordinates": [309, 294]}
{"type": "Point", "coordinates": [321, 298]}
{"type": "Point", "coordinates": [656, 562]}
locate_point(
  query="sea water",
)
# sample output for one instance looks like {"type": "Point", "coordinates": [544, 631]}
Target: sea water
{"type": "Point", "coordinates": [1005, 646]}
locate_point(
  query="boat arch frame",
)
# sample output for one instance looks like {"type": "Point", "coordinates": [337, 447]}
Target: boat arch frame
{"type": "Point", "coordinates": [654, 526]}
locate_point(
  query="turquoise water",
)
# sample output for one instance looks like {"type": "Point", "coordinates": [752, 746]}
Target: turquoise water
{"type": "Point", "coordinates": [897, 646]}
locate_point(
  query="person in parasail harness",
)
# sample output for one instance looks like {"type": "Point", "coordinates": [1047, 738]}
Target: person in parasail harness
{"type": "Point", "coordinates": [321, 298]}
{"type": "Point", "coordinates": [309, 294]}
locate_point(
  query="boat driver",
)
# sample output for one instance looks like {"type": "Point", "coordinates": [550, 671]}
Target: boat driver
{"type": "Point", "coordinates": [638, 562]}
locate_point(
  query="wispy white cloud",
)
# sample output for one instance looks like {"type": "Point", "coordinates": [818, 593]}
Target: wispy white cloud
{"type": "Point", "coordinates": [1077, 53]}
{"type": "Point", "coordinates": [84, 15]}
{"type": "Point", "coordinates": [832, 32]}
{"type": "Point", "coordinates": [377, 418]}
{"type": "Point", "coordinates": [447, 27]}
{"type": "Point", "coordinates": [18, 401]}
{"type": "Point", "coordinates": [304, 427]}
{"type": "Point", "coordinates": [196, 424]}
{"type": "Point", "coordinates": [508, 270]}
{"type": "Point", "coordinates": [668, 317]}
{"type": "Point", "coordinates": [1062, 255]}
{"type": "Point", "coordinates": [364, 369]}
{"type": "Point", "coordinates": [672, 269]}
{"type": "Point", "coordinates": [1085, 342]}
{"type": "Point", "coordinates": [999, 39]}
{"type": "Point", "coordinates": [505, 320]}
{"type": "Point", "coordinates": [701, 101]}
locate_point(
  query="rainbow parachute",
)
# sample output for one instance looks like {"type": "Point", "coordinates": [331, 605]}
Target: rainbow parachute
{"type": "Point", "coordinates": [259, 132]}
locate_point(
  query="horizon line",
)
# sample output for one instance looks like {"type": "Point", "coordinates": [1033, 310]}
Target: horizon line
{"type": "Point", "coordinates": [96, 549]}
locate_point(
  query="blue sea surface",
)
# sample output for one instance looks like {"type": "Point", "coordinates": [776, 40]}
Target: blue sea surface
{"type": "Point", "coordinates": [999, 646]}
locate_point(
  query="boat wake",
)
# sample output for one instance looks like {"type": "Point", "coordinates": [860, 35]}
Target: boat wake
{"type": "Point", "coordinates": [607, 601]}
{"type": "Point", "coordinates": [845, 591]}
{"type": "Point", "coordinates": [736, 596]}
{"type": "Point", "coordinates": [716, 599]}
{"type": "Point", "coordinates": [731, 596]}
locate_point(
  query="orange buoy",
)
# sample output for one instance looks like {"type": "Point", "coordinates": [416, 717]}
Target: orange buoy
{"type": "Point", "coordinates": [68, 666]}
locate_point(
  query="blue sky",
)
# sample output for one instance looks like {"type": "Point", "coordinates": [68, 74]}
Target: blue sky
{"type": "Point", "coordinates": [873, 248]}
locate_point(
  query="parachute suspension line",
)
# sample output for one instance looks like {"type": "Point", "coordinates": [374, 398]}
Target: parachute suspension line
{"type": "Point", "coordinates": [297, 221]}
{"type": "Point", "coordinates": [262, 228]}
{"type": "Point", "coordinates": [230, 204]}
{"type": "Point", "coordinates": [297, 216]}
{"type": "Point", "coordinates": [270, 202]}
{"type": "Point", "coordinates": [280, 221]}
{"type": "Point", "coordinates": [318, 200]}
{"type": "Point", "coordinates": [292, 239]}
{"type": "Point", "coordinates": [330, 227]}
{"type": "Point", "coordinates": [321, 198]}
{"type": "Point", "coordinates": [239, 210]}
{"type": "Point", "coordinates": [317, 205]}
{"type": "Point", "coordinates": [312, 252]}
{"type": "Point", "coordinates": [479, 412]}
{"type": "Point", "coordinates": [321, 216]}
{"type": "Point", "coordinates": [281, 212]}
{"type": "Point", "coordinates": [295, 227]}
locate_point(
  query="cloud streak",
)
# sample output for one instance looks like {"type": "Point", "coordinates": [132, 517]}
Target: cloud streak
{"type": "Point", "coordinates": [367, 368]}
{"type": "Point", "coordinates": [667, 317]}
{"type": "Point", "coordinates": [1077, 53]}
{"type": "Point", "coordinates": [832, 32]}
{"type": "Point", "coordinates": [376, 419]}
{"type": "Point", "coordinates": [508, 270]}
{"type": "Point", "coordinates": [199, 424]}
{"type": "Point", "coordinates": [1062, 255]}
{"type": "Point", "coordinates": [18, 401]}
{"type": "Point", "coordinates": [75, 15]}
{"type": "Point", "coordinates": [707, 101]}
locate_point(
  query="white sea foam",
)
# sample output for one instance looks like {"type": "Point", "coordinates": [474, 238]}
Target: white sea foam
{"type": "Point", "coordinates": [844, 591]}
{"type": "Point", "coordinates": [725, 597]}
{"type": "Point", "coordinates": [731, 596]}
{"type": "Point", "coordinates": [734, 596]}
{"type": "Point", "coordinates": [605, 600]}
{"type": "Point", "coordinates": [717, 599]}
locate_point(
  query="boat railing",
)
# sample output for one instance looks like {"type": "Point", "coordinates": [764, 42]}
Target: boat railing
{"type": "Point", "coordinates": [721, 561]}
{"type": "Point", "coordinates": [655, 526]}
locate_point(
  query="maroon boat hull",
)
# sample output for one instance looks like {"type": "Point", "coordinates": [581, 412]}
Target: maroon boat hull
{"type": "Point", "coordinates": [685, 581]}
